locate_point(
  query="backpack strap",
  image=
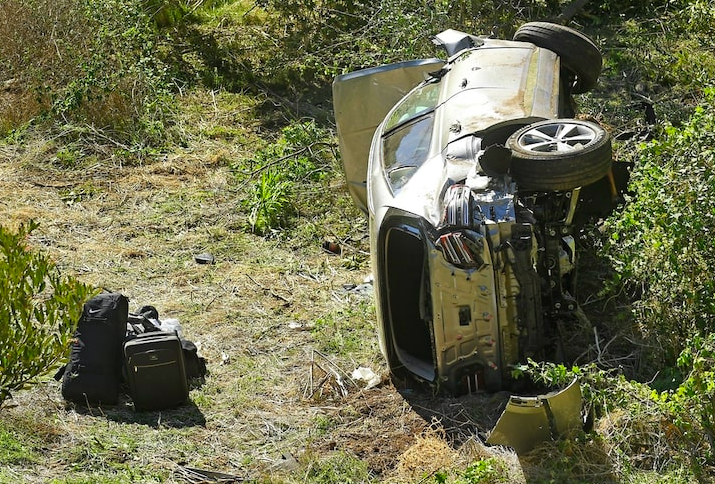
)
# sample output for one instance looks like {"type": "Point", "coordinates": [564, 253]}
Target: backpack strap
{"type": "Point", "coordinates": [138, 324]}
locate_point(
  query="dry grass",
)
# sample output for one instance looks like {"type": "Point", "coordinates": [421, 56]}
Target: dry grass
{"type": "Point", "coordinates": [428, 455]}
{"type": "Point", "coordinates": [136, 229]}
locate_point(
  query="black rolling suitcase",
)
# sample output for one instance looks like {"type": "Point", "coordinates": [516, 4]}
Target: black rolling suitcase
{"type": "Point", "coordinates": [155, 371]}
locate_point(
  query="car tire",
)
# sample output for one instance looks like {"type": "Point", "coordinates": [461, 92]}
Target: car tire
{"type": "Point", "coordinates": [578, 53]}
{"type": "Point", "coordinates": [559, 154]}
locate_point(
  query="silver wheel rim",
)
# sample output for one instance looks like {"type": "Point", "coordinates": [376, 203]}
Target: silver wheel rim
{"type": "Point", "coordinates": [557, 138]}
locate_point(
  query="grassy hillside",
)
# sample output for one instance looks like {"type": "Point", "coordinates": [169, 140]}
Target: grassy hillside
{"type": "Point", "coordinates": [140, 134]}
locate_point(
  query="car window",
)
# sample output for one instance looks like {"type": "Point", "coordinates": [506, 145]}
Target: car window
{"type": "Point", "coordinates": [418, 102]}
{"type": "Point", "coordinates": [405, 149]}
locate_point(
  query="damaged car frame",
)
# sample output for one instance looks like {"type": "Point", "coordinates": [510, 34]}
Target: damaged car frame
{"type": "Point", "coordinates": [476, 176]}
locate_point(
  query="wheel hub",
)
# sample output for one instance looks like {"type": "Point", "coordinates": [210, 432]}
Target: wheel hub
{"type": "Point", "coordinates": [557, 137]}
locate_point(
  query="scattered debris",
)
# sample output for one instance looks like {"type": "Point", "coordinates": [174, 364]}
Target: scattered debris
{"type": "Point", "coordinates": [327, 380]}
{"type": "Point", "coordinates": [298, 326]}
{"type": "Point", "coordinates": [204, 258]}
{"type": "Point", "coordinates": [286, 463]}
{"type": "Point", "coordinates": [526, 421]}
{"type": "Point", "coordinates": [332, 248]}
{"type": "Point", "coordinates": [171, 325]}
{"type": "Point", "coordinates": [365, 289]}
{"type": "Point", "coordinates": [366, 375]}
{"type": "Point", "coordinates": [362, 290]}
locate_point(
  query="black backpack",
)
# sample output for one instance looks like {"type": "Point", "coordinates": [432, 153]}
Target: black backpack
{"type": "Point", "coordinates": [94, 370]}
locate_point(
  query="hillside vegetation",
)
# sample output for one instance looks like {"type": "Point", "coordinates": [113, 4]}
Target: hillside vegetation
{"type": "Point", "coordinates": [140, 133]}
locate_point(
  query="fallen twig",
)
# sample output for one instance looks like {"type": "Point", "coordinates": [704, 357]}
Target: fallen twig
{"type": "Point", "coordinates": [269, 291]}
{"type": "Point", "coordinates": [200, 476]}
{"type": "Point", "coordinates": [331, 372]}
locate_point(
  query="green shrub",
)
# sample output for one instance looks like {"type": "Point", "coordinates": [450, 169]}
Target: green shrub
{"type": "Point", "coordinates": [640, 429]}
{"type": "Point", "coordinates": [640, 8]}
{"type": "Point", "coordinates": [315, 40]}
{"type": "Point", "coordinates": [692, 404]}
{"type": "Point", "coordinates": [484, 471]}
{"type": "Point", "coordinates": [83, 62]}
{"type": "Point", "coordinates": [301, 155]}
{"type": "Point", "coordinates": [269, 203]}
{"type": "Point", "coordinates": [38, 314]}
{"type": "Point", "coordinates": [662, 244]}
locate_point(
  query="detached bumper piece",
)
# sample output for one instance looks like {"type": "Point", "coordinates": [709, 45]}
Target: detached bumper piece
{"type": "Point", "coordinates": [527, 421]}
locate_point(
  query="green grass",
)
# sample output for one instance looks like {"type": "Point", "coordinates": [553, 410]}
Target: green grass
{"type": "Point", "coordinates": [16, 449]}
{"type": "Point", "coordinates": [349, 331]}
{"type": "Point", "coordinates": [338, 468]}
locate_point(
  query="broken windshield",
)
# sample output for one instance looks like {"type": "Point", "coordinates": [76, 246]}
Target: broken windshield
{"type": "Point", "coordinates": [416, 103]}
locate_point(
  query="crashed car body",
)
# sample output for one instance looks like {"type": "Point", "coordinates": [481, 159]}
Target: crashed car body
{"type": "Point", "coordinates": [475, 176]}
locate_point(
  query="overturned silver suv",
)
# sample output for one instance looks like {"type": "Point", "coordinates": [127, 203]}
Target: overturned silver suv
{"type": "Point", "coordinates": [475, 176]}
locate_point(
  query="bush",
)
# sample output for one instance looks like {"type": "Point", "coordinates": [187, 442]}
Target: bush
{"type": "Point", "coordinates": [315, 40]}
{"type": "Point", "coordinates": [662, 244]}
{"type": "Point", "coordinates": [38, 314]}
{"type": "Point", "coordinates": [83, 62]}
{"type": "Point", "coordinates": [692, 404]}
{"type": "Point", "coordinates": [304, 153]}
{"type": "Point", "coordinates": [670, 433]}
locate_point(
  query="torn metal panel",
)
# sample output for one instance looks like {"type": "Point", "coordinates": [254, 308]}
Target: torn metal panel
{"type": "Point", "coordinates": [526, 421]}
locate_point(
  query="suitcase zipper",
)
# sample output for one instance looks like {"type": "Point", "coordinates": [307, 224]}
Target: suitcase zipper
{"type": "Point", "coordinates": [136, 368]}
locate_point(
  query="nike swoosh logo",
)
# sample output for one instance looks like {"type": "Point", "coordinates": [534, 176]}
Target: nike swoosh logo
{"type": "Point", "coordinates": [94, 311]}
